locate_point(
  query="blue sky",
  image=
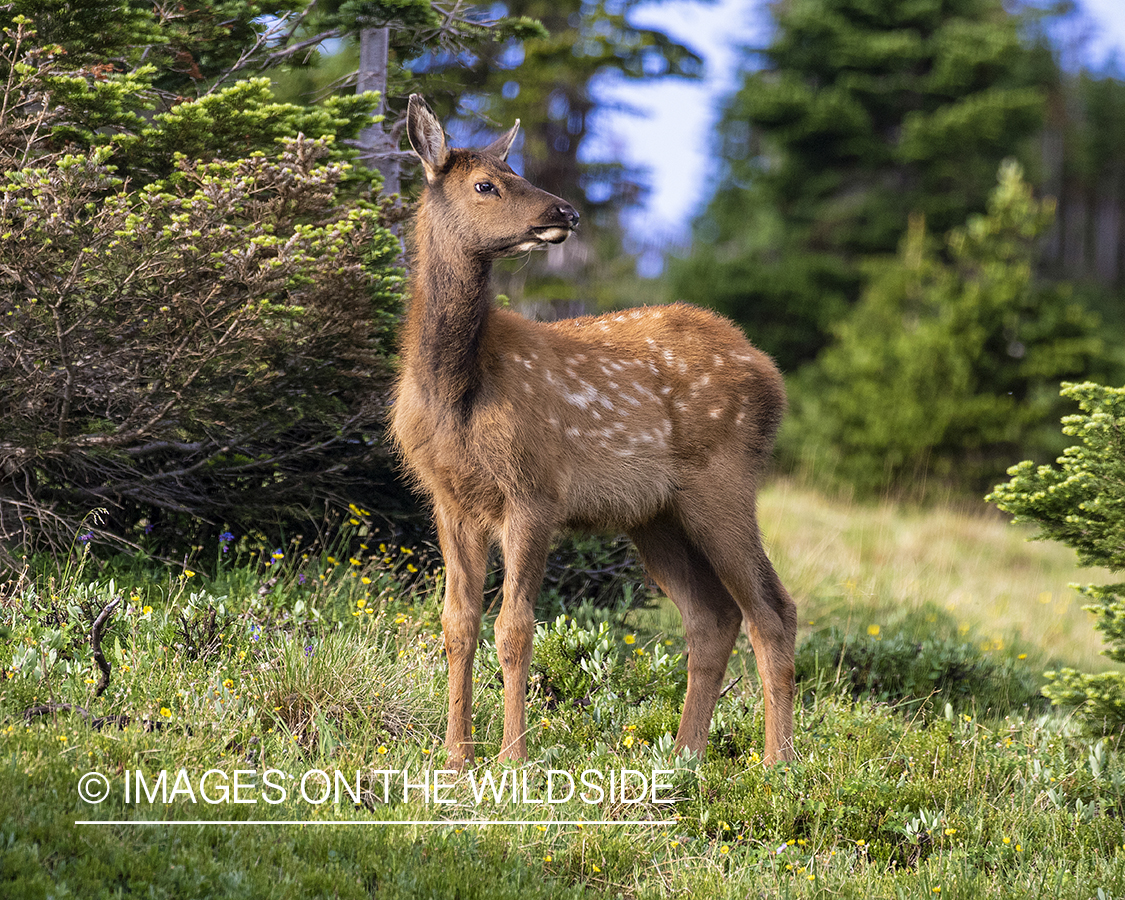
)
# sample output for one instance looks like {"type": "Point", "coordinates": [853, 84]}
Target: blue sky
{"type": "Point", "coordinates": [672, 135]}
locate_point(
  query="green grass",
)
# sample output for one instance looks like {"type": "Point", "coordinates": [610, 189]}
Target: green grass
{"type": "Point", "coordinates": [926, 766]}
{"type": "Point", "coordinates": [861, 565]}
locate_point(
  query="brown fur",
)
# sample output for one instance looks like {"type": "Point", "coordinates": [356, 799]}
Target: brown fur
{"type": "Point", "coordinates": [657, 421]}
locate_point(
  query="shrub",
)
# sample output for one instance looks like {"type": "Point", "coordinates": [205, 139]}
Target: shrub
{"type": "Point", "coordinates": [207, 351]}
{"type": "Point", "coordinates": [1081, 502]}
{"type": "Point", "coordinates": [895, 668]}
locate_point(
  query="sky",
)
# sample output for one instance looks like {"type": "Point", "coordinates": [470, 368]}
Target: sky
{"type": "Point", "coordinates": [672, 134]}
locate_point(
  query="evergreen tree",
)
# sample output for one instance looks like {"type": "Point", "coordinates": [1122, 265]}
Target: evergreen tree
{"type": "Point", "coordinates": [1081, 502]}
{"type": "Point", "coordinates": [948, 363]}
{"type": "Point", "coordinates": [1084, 160]}
{"type": "Point", "coordinates": [863, 112]}
{"type": "Point", "coordinates": [548, 81]}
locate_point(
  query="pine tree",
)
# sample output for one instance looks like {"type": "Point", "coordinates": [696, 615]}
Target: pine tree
{"type": "Point", "coordinates": [1081, 502]}
{"type": "Point", "coordinates": [863, 113]}
{"type": "Point", "coordinates": [948, 363]}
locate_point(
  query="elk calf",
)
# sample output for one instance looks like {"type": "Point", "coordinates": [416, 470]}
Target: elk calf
{"type": "Point", "coordinates": [657, 421]}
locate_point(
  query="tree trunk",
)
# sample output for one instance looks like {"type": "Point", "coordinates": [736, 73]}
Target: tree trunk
{"type": "Point", "coordinates": [376, 147]}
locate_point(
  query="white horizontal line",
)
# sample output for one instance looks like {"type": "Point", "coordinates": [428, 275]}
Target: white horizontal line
{"type": "Point", "coordinates": [466, 822]}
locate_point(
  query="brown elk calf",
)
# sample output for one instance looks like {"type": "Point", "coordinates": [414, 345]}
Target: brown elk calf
{"type": "Point", "coordinates": [657, 421]}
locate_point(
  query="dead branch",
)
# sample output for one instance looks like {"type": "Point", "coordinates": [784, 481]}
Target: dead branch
{"type": "Point", "coordinates": [96, 644]}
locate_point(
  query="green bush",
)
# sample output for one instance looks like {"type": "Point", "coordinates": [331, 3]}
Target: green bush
{"type": "Point", "coordinates": [198, 303]}
{"type": "Point", "coordinates": [899, 669]}
{"type": "Point", "coordinates": [1081, 502]}
{"type": "Point", "coordinates": [212, 350]}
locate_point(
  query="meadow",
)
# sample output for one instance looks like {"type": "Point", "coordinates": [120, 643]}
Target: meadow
{"type": "Point", "coordinates": [292, 700]}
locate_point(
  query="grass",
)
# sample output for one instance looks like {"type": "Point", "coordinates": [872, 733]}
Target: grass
{"type": "Point", "coordinates": [291, 663]}
{"type": "Point", "coordinates": [848, 563]}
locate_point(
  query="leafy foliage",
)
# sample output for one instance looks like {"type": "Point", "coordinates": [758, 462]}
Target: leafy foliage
{"type": "Point", "coordinates": [192, 340]}
{"type": "Point", "coordinates": [947, 364]}
{"type": "Point", "coordinates": [1081, 503]}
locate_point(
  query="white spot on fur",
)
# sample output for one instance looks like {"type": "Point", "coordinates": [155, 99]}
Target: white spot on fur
{"type": "Point", "coordinates": [715, 413]}
{"type": "Point", "coordinates": [666, 390]}
{"type": "Point", "coordinates": [583, 398]}
{"type": "Point", "coordinates": [738, 419]}
{"type": "Point", "coordinates": [573, 432]}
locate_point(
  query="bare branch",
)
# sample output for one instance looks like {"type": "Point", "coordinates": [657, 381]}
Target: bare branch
{"type": "Point", "coordinates": [96, 644]}
{"type": "Point", "coordinates": [286, 52]}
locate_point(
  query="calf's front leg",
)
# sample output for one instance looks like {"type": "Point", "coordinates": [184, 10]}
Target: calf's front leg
{"type": "Point", "coordinates": [525, 544]}
{"type": "Point", "coordinates": [465, 551]}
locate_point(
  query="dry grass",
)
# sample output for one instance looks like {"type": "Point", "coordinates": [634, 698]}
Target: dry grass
{"type": "Point", "coordinates": [838, 557]}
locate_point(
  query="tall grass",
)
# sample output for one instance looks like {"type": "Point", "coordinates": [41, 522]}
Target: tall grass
{"type": "Point", "coordinates": [334, 662]}
{"type": "Point", "coordinates": [848, 563]}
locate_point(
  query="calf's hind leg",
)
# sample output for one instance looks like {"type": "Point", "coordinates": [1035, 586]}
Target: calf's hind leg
{"type": "Point", "coordinates": [720, 517]}
{"type": "Point", "coordinates": [711, 620]}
